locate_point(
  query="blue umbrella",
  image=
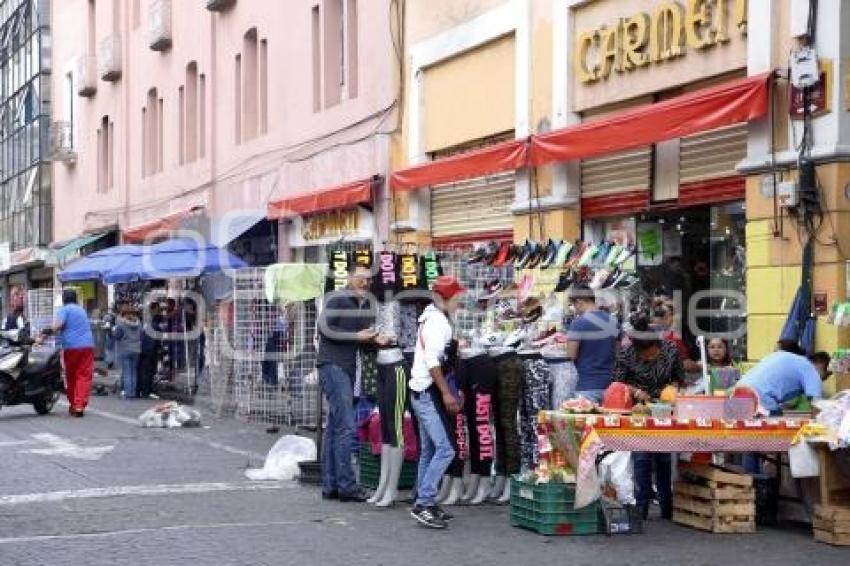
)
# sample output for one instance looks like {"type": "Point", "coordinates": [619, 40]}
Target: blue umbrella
{"type": "Point", "coordinates": [97, 264]}
{"type": "Point", "coordinates": [175, 258]}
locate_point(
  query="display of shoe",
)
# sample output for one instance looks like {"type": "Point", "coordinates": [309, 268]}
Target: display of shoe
{"type": "Point", "coordinates": [564, 281]}
{"type": "Point", "coordinates": [563, 253]}
{"type": "Point", "coordinates": [515, 338]}
{"type": "Point", "coordinates": [502, 255]}
{"type": "Point", "coordinates": [490, 253]}
{"type": "Point", "coordinates": [524, 287]}
{"type": "Point", "coordinates": [575, 255]}
{"type": "Point", "coordinates": [599, 279]}
{"type": "Point", "coordinates": [536, 256]}
{"type": "Point", "coordinates": [613, 254]}
{"type": "Point", "coordinates": [588, 255]}
{"type": "Point", "coordinates": [477, 255]}
{"type": "Point", "coordinates": [491, 290]}
{"type": "Point", "coordinates": [524, 255]}
{"type": "Point", "coordinates": [624, 256]}
{"type": "Point", "coordinates": [428, 517]}
{"type": "Point", "coordinates": [549, 255]}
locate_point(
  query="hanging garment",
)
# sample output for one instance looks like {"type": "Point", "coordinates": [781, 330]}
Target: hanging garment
{"type": "Point", "coordinates": [393, 375]}
{"type": "Point", "coordinates": [429, 270]}
{"type": "Point", "coordinates": [363, 257]}
{"type": "Point", "coordinates": [564, 380]}
{"type": "Point", "coordinates": [510, 376]}
{"type": "Point", "coordinates": [535, 398]}
{"type": "Point", "coordinates": [291, 282]}
{"type": "Point", "coordinates": [338, 265]}
{"type": "Point", "coordinates": [368, 375]}
{"type": "Point", "coordinates": [386, 283]}
{"type": "Point", "coordinates": [387, 321]}
{"type": "Point", "coordinates": [408, 268]}
{"type": "Point", "coordinates": [477, 377]}
{"type": "Point", "coordinates": [408, 324]}
{"type": "Point", "coordinates": [455, 426]}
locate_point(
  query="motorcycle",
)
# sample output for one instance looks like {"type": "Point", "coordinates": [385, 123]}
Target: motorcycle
{"type": "Point", "coordinates": [29, 374]}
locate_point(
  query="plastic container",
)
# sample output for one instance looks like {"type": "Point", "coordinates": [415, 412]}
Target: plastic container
{"type": "Point", "coordinates": [547, 509]}
{"type": "Point", "coordinates": [661, 410]}
{"type": "Point", "coordinates": [739, 409]}
{"type": "Point", "coordinates": [700, 407]}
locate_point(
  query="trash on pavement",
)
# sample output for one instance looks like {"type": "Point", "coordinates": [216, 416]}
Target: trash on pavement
{"type": "Point", "coordinates": [170, 415]}
{"type": "Point", "coordinates": [282, 460]}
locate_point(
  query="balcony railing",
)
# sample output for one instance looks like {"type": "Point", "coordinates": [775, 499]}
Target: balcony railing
{"type": "Point", "coordinates": [62, 142]}
{"type": "Point", "coordinates": [219, 5]}
{"type": "Point", "coordinates": [86, 75]}
{"type": "Point", "coordinates": [159, 25]}
{"type": "Point", "coordinates": [109, 58]}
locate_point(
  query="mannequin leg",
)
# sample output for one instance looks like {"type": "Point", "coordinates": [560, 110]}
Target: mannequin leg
{"type": "Point", "coordinates": [455, 493]}
{"type": "Point", "coordinates": [396, 458]}
{"type": "Point", "coordinates": [471, 487]}
{"type": "Point", "coordinates": [506, 495]}
{"type": "Point", "coordinates": [484, 487]}
{"type": "Point", "coordinates": [498, 487]}
{"type": "Point", "coordinates": [445, 489]}
{"type": "Point", "coordinates": [385, 470]}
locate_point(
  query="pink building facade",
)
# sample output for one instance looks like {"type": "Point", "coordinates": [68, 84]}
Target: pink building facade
{"type": "Point", "coordinates": [198, 113]}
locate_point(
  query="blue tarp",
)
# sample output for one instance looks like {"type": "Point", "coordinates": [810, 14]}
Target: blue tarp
{"type": "Point", "coordinates": [96, 265]}
{"type": "Point", "coordinates": [175, 258]}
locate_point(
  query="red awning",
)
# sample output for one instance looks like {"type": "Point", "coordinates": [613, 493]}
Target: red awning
{"type": "Point", "coordinates": [342, 196]}
{"type": "Point", "coordinates": [721, 190]}
{"type": "Point", "coordinates": [621, 204]}
{"type": "Point", "coordinates": [147, 230]}
{"type": "Point", "coordinates": [706, 109]}
{"type": "Point", "coordinates": [496, 158]}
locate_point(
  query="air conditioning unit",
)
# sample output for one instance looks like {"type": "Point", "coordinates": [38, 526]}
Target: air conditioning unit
{"type": "Point", "coordinates": [159, 25]}
{"type": "Point", "coordinates": [85, 76]}
{"type": "Point", "coordinates": [219, 5]}
{"type": "Point", "coordinates": [109, 58]}
{"type": "Point", "coordinates": [62, 142]}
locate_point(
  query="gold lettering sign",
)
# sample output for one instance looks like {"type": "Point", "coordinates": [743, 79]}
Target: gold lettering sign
{"type": "Point", "coordinates": [332, 224]}
{"type": "Point", "coordinates": [641, 39]}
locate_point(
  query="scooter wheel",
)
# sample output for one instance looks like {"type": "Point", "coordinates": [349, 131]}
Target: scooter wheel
{"type": "Point", "coordinates": [44, 405]}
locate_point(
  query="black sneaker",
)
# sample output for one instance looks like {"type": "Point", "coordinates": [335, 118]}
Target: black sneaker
{"type": "Point", "coordinates": [442, 513]}
{"type": "Point", "coordinates": [358, 496]}
{"type": "Point", "coordinates": [428, 517]}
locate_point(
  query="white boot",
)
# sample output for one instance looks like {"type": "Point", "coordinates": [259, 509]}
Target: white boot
{"type": "Point", "coordinates": [471, 487]}
{"type": "Point", "coordinates": [396, 458]}
{"type": "Point", "coordinates": [498, 487]}
{"type": "Point", "coordinates": [483, 492]}
{"type": "Point", "coordinates": [506, 495]}
{"type": "Point", "coordinates": [456, 492]}
{"type": "Point", "coordinates": [445, 489]}
{"type": "Point", "coordinates": [385, 471]}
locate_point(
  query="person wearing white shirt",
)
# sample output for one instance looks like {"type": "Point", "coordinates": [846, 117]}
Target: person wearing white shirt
{"type": "Point", "coordinates": [432, 399]}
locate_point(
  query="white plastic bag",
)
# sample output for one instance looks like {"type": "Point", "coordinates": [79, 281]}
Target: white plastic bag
{"type": "Point", "coordinates": [282, 460]}
{"type": "Point", "coordinates": [616, 469]}
{"type": "Point", "coordinates": [170, 415]}
{"type": "Point", "coordinates": [804, 461]}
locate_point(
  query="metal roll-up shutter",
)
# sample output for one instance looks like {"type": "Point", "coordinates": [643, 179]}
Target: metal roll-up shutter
{"type": "Point", "coordinates": [621, 172]}
{"type": "Point", "coordinates": [478, 205]}
{"type": "Point", "coordinates": [713, 154]}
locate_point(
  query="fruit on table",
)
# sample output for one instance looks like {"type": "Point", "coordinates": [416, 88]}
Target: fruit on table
{"type": "Point", "coordinates": [669, 394]}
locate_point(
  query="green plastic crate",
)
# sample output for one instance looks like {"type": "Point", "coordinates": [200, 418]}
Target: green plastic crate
{"type": "Point", "coordinates": [547, 509]}
{"type": "Point", "coordinates": [370, 470]}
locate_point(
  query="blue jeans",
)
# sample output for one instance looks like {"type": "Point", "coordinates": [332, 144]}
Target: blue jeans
{"type": "Point", "coordinates": [594, 395]}
{"type": "Point", "coordinates": [337, 472]}
{"type": "Point", "coordinates": [129, 374]}
{"type": "Point", "coordinates": [436, 452]}
{"type": "Point", "coordinates": [644, 462]}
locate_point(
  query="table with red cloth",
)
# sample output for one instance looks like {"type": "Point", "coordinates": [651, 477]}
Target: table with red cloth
{"type": "Point", "coordinates": [624, 433]}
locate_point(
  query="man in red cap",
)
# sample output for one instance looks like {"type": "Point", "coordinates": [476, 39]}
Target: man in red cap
{"type": "Point", "coordinates": [432, 399]}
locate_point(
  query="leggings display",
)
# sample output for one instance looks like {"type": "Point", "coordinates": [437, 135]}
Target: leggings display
{"type": "Point", "coordinates": [564, 380]}
{"type": "Point", "coordinates": [535, 398]}
{"type": "Point", "coordinates": [454, 427]}
{"type": "Point", "coordinates": [393, 375]}
{"type": "Point", "coordinates": [510, 374]}
{"type": "Point", "coordinates": [477, 378]}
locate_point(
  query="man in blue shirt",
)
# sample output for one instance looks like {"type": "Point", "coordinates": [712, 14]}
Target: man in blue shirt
{"type": "Point", "coordinates": [592, 344]}
{"type": "Point", "coordinates": [781, 377]}
{"type": "Point", "coordinates": [72, 323]}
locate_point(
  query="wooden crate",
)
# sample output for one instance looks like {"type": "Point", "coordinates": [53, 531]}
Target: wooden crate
{"type": "Point", "coordinates": [722, 502]}
{"type": "Point", "coordinates": [832, 524]}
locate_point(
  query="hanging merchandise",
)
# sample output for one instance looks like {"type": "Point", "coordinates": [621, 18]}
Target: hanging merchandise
{"type": "Point", "coordinates": [409, 271]}
{"type": "Point", "coordinates": [339, 262]}
{"type": "Point", "coordinates": [363, 257]}
{"type": "Point", "coordinates": [649, 235]}
{"type": "Point", "coordinates": [386, 282]}
{"type": "Point", "coordinates": [291, 282]}
{"type": "Point", "coordinates": [430, 269]}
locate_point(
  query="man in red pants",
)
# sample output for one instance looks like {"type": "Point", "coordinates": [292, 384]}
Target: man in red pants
{"type": "Point", "coordinates": [77, 342]}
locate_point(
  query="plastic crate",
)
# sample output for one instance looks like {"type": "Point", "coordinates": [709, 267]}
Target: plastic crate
{"type": "Point", "coordinates": [370, 470]}
{"type": "Point", "coordinates": [547, 509]}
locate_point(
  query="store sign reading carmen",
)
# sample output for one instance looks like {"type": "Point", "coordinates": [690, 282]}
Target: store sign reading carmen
{"type": "Point", "coordinates": [331, 224]}
{"type": "Point", "coordinates": [666, 33]}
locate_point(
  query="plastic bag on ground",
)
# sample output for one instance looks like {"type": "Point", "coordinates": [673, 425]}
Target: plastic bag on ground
{"type": "Point", "coordinates": [615, 470]}
{"type": "Point", "coordinates": [170, 415]}
{"type": "Point", "coordinates": [282, 460]}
